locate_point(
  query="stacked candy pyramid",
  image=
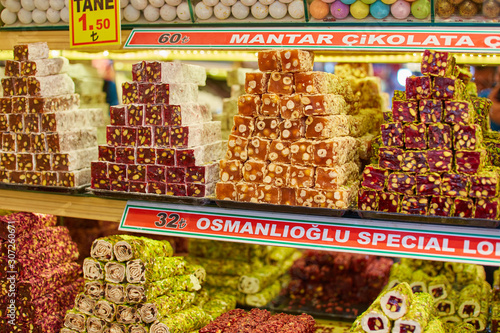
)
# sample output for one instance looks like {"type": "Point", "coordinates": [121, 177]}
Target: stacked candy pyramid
{"type": "Point", "coordinates": [432, 160]}
{"type": "Point", "coordinates": [39, 275]}
{"type": "Point", "coordinates": [161, 141]}
{"type": "Point", "coordinates": [46, 139]}
{"type": "Point", "coordinates": [293, 141]}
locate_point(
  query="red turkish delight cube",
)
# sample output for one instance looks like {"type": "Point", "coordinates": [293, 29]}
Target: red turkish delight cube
{"type": "Point", "coordinates": [118, 115]}
{"type": "Point", "coordinates": [117, 171]}
{"type": "Point", "coordinates": [113, 135]}
{"type": "Point", "coordinates": [243, 126]}
{"type": "Point", "coordinates": [25, 162]}
{"type": "Point", "coordinates": [292, 129]}
{"type": "Point", "coordinates": [155, 173]}
{"type": "Point", "coordinates": [226, 191]}
{"type": "Point", "coordinates": [185, 136]}
{"type": "Point", "coordinates": [146, 155]}
{"type": "Point", "coordinates": [178, 190]}
{"type": "Point", "coordinates": [146, 92]}
{"type": "Point", "coordinates": [4, 176]}
{"type": "Point", "coordinates": [16, 122]}
{"type": "Point", "coordinates": [9, 141]}
{"type": "Point", "coordinates": [107, 153]}
{"type": "Point", "coordinates": [454, 184]}
{"type": "Point", "coordinates": [51, 178]}
{"type": "Point", "coordinates": [162, 93]}
{"type": "Point", "coordinates": [402, 183]}
{"type": "Point", "coordinates": [441, 206]}
{"type": "Point", "coordinates": [440, 160]}
{"type": "Point", "coordinates": [136, 172]}
{"type": "Point", "coordinates": [280, 83]}
{"type": "Point", "coordinates": [237, 148]}
{"type": "Point", "coordinates": [428, 184]}
{"type": "Point", "coordinates": [279, 151]}
{"type": "Point", "coordinates": [118, 185]}
{"type": "Point", "coordinates": [98, 170]}
{"type": "Point", "coordinates": [24, 144]}
{"type": "Point", "coordinates": [157, 188]}
{"type": "Point", "coordinates": [405, 111]}
{"type": "Point", "coordinates": [269, 194]}
{"type": "Point", "coordinates": [253, 171]}
{"type": "Point", "coordinates": [21, 86]}
{"type": "Point", "coordinates": [144, 136]}
{"type": "Point", "coordinates": [267, 127]}
{"type": "Point", "coordinates": [430, 110]}
{"type": "Point", "coordinates": [19, 104]}
{"type": "Point", "coordinates": [165, 156]}
{"type": "Point", "coordinates": [176, 175]}
{"type": "Point", "coordinates": [469, 161]}
{"type": "Point", "coordinates": [161, 136]}
{"type": "Point", "coordinates": [5, 105]}
{"type": "Point", "coordinates": [43, 162]}
{"type": "Point", "coordinates": [389, 202]}
{"type": "Point", "coordinates": [301, 176]}
{"type": "Point", "coordinates": [99, 184]}
{"type": "Point", "coordinates": [249, 105]}
{"type": "Point", "coordinates": [374, 178]}
{"type": "Point", "coordinates": [467, 137]}
{"type": "Point", "coordinates": [439, 136]}
{"type": "Point", "coordinates": [125, 155]}
{"type": "Point", "coordinates": [129, 136]}
{"type": "Point", "coordinates": [190, 156]}
{"type": "Point", "coordinates": [414, 205]}
{"type": "Point", "coordinates": [12, 68]}
{"type": "Point", "coordinates": [437, 63]}
{"type": "Point", "coordinates": [446, 88]}
{"type": "Point", "coordinates": [130, 92]}
{"type": "Point", "coordinates": [368, 200]}
{"type": "Point", "coordinates": [415, 136]}
{"type": "Point", "coordinates": [203, 174]}
{"type": "Point", "coordinates": [484, 184]}
{"type": "Point", "coordinates": [392, 134]}
{"type": "Point", "coordinates": [4, 122]}
{"type": "Point", "coordinates": [256, 83]}
{"type": "Point", "coordinates": [172, 115]}
{"type": "Point", "coordinates": [487, 208]}
{"type": "Point", "coordinates": [135, 114]}
{"type": "Point", "coordinates": [18, 177]}
{"type": "Point", "coordinates": [418, 87]}
{"type": "Point", "coordinates": [137, 187]}
{"type": "Point", "coordinates": [464, 207]}
{"type": "Point", "coordinates": [153, 114]}
{"type": "Point", "coordinates": [458, 112]}
{"type": "Point", "coordinates": [34, 178]}
{"type": "Point", "coordinates": [390, 158]}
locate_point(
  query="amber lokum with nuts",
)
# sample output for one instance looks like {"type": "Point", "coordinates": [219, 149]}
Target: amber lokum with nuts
{"type": "Point", "coordinates": [401, 183]}
{"type": "Point", "coordinates": [340, 198]}
{"type": "Point", "coordinates": [276, 174]}
{"type": "Point", "coordinates": [296, 60]}
{"type": "Point", "coordinates": [253, 171]}
{"type": "Point", "coordinates": [321, 105]}
{"type": "Point", "coordinates": [258, 149]}
{"type": "Point", "coordinates": [292, 129]}
{"type": "Point", "coordinates": [312, 83]}
{"type": "Point", "coordinates": [249, 105]}
{"type": "Point", "coordinates": [267, 127]}
{"type": "Point", "coordinates": [237, 148]}
{"type": "Point", "coordinates": [279, 151]}
{"type": "Point", "coordinates": [291, 106]}
{"type": "Point", "coordinates": [333, 151]}
{"type": "Point", "coordinates": [226, 191]}
{"type": "Point", "coordinates": [256, 83]}
{"type": "Point", "coordinates": [430, 110]}
{"type": "Point", "coordinates": [243, 126]}
{"type": "Point", "coordinates": [230, 170]}
{"type": "Point", "coordinates": [269, 60]}
{"type": "Point", "coordinates": [280, 83]}
{"type": "Point", "coordinates": [247, 192]}
{"type": "Point", "coordinates": [301, 176]}
{"type": "Point", "coordinates": [334, 177]}
{"type": "Point", "coordinates": [269, 194]}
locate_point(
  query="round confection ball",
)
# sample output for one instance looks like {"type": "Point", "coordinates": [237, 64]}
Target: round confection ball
{"type": "Point", "coordinates": [210, 3]}
{"type": "Point", "coordinates": [248, 3]}
{"type": "Point", "coordinates": [157, 3]}
{"type": "Point", "coordinates": [444, 8]}
{"type": "Point", "coordinates": [14, 5]}
{"type": "Point", "coordinates": [259, 11]}
{"type": "Point", "coordinates": [8, 17]}
{"type": "Point", "coordinates": [64, 14]}
{"type": "Point", "coordinates": [359, 10]}
{"type": "Point", "coordinates": [131, 14]}
{"type": "Point", "coordinates": [123, 4]}
{"type": "Point", "coordinates": [222, 11]}
{"type": "Point", "coordinates": [203, 11]}
{"type": "Point", "coordinates": [285, 1]}
{"type": "Point", "coordinates": [266, 2]}
{"type": "Point", "coordinates": [42, 4]}
{"type": "Point", "coordinates": [467, 9]}
{"type": "Point", "coordinates": [389, 2]}
{"type": "Point", "coordinates": [173, 2]}
{"type": "Point", "coordinates": [139, 4]}
{"type": "Point", "coordinates": [379, 10]}
{"type": "Point", "coordinates": [400, 9]}
{"type": "Point", "coordinates": [296, 9]}
{"type": "Point", "coordinates": [168, 13]}
{"type": "Point", "coordinates": [339, 10]}
{"type": "Point", "coordinates": [328, 1]}
{"type": "Point", "coordinates": [228, 3]}
{"type": "Point", "coordinates": [53, 15]}
{"type": "Point", "coordinates": [183, 11]}
{"type": "Point", "coordinates": [348, 2]}
{"type": "Point", "coordinates": [369, 2]}
{"type": "Point", "coordinates": [319, 9]}
{"type": "Point", "coordinates": [421, 9]}
{"type": "Point", "coordinates": [151, 13]}
{"type": "Point", "coordinates": [24, 16]}
{"type": "Point", "coordinates": [491, 9]}
{"type": "Point", "coordinates": [39, 16]}
{"type": "Point", "coordinates": [56, 4]}
{"type": "Point", "coordinates": [240, 11]}
{"type": "Point", "coordinates": [277, 10]}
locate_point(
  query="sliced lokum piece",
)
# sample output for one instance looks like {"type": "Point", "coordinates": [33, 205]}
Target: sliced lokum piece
{"type": "Point", "coordinates": [396, 302]}
{"type": "Point", "coordinates": [326, 104]}
{"type": "Point", "coordinates": [75, 320]}
{"type": "Point", "coordinates": [42, 67]}
{"type": "Point", "coordinates": [5, 105]}
{"type": "Point", "coordinates": [483, 184]}
{"type": "Point", "coordinates": [34, 178]}
{"type": "Point", "coordinates": [302, 152]}
{"type": "Point", "coordinates": [267, 106]}
{"type": "Point", "coordinates": [74, 178]}
{"type": "Point", "coordinates": [414, 205]}
{"type": "Point", "coordinates": [301, 176]}
{"type": "Point", "coordinates": [253, 171]}
{"type": "Point", "coordinates": [266, 127]}
{"type": "Point", "coordinates": [8, 161]}
{"type": "Point", "coordinates": [258, 149]}
{"type": "Point", "coordinates": [52, 85]}
{"type": "Point", "coordinates": [418, 315]}
{"type": "Point", "coordinates": [65, 120]}
{"type": "Point", "coordinates": [292, 129]}
{"type": "Point", "coordinates": [276, 174]}
{"type": "Point", "coordinates": [247, 192]}
{"type": "Point", "coordinates": [31, 51]}
{"type": "Point", "coordinates": [332, 178]}
{"type": "Point", "coordinates": [169, 72]}
{"type": "Point", "coordinates": [469, 162]}
{"type": "Point", "coordinates": [135, 114]}
{"type": "Point", "coordinates": [269, 60]}
{"type": "Point", "coordinates": [155, 173]}
{"type": "Point", "coordinates": [454, 184]}
{"type": "Point", "coordinates": [374, 320]}
{"type": "Point", "coordinates": [176, 175]}
{"type": "Point", "coordinates": [464, 207]}
{"type": "Point", "coordinates": [163, 306]}
{"type": "Point", "coordinates": [405, 111]}
{"type": "Point", "coordinates": [437, 63]}
{"type": "Point", "coordinates": [390, 158]}
{"type": "Point", "coordinates": [19, 104]}
{"type": "Point", "coordinates": [226, 191]}
{"type": "Point", "coordinates": [117, 171]}
{"type": "Point", "coordinates": [368, 199]}
{"type": "Point", "coordinates": [269, 194]}
{"type": "Point", "coordinates": [125, 155]}
{"type": "Point", "coordinates": [200, 190]}
{"type": "Point", "coordinates": [145, 135]}
{"type": "Point", "coordinates": [4, 122]}
{"type": "Point", "coordinates": [9, 141]}
{"type": "Point", "coordinates": [17, 177]}
{"type": "Point", "coordinates": [186, 136]}
{"type": "Point", "coordinates": [447, 88]}
{"type": "Point", "coordinates": [162, 136]}
{"type": "Point", "coordinates": [146, 93]}
{"type": "Point", "coordinates": [402, 183]}
{"type": "Point", "coordinates": [53, 104]}
{"type": "Point", "coordinates": [207, 173]}
{"type": "Point", "coordinates": [181, 93]}
{"type": "Point", "coordinates": [296, 60]}
{"type": "Point", "coordinates": [389, 202]}
{"type": "Point", "coordinates": [291, 106]}
{"type": "Point", "coordinates": [113, 135]}
{"type": "Point", "coordinates": [16, 123]}
{"type": "Point", "coordinates": [165, 156]}
{"type": "Point", "coordinates": [8, 87]}
{"type": "Point", "coordinates": [279, 151]}
{"type": "Point", "coordinates": [418, 87]}
{"type": "Point", "coordinates": [12, 68]}
{"type": "Point", "coordinates": [74, 160]}
{"type": "Point", "coordinates": [430, 110]}
{"type": "Point", "coordinates": [186, 114]}
{"type": "Point", "coordinates": [256, 83]}
{"type": "Point", "coordinates": [392, 134]}
{"type": "Point", "coordinates": [230, 170]}
{"type": "Point", "coordinates": [129, 136]}
{"type": "Point", "coordinates": [439, 136]}
{"type": "Point", "coordinates": [237, 148]}
{"type": "Point", "coordinates": [288, 196]}
{"type": "Point", "coordinates": [487, 208]}
{"type": "Point", "coordinates": [33, 143]}
{"type": "Point", "coordinates": [243, 126]}
{"type": "Point", "coordinates": [458, 112]}
{"type": "Point", "coordinates": [415, 136]}
{"type": "Point", "coordinates": [178, 190]}
{"type": "Point", "coordinates": [153, 114]}
{"type": "Point", "coordinates": [312, 83]}
{"type": "Point", "coordinates": [280, 83]}
{"type": "Point", "coordinates": [193, 156]}
{"type": "Point", "coordinates": [428, 184]}
{"type": "Point", "coordinates": [467, 137]}
{"type": "Point", "coordinates": [440, 160]}
{"type": "Point", "coordinates": [374, 178]}
{"type": "Point", "coordinates": [441, 206]}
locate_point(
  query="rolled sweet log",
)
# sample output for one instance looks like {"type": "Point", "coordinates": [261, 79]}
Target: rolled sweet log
{"type": "Point", "coordinates": [418, 315]}
{"type": "Point", "coordinates": [396, 301]}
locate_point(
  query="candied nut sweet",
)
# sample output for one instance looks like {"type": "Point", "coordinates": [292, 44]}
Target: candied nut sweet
{"type": "Point", "coordinates": [439, 136]}
{"type": "Point", "coordinates": [405, 111]}
{"type": "Point", "coordinates": [281, 83]}
{"type": "Point", "coordinates": [253, 171]}
{"type": "Point", "coordinates": [279, 151]}
{"type": "Point", "coordinates": [415, 136]}
{"type": "Point", "coordinates": [418, 87]}
{"type": "Point", "coordinates": [430, 110]}
{"type": "Point", "coordinates": [237, 148]}
{"type": "Point", "coordinates": [256, 83]}
{"type": "Point", "coordinates": [368, 200]}
{"type": "Point", "coordinates": [390, 158]}
{"type": "Point", "coordinates": [258, 149]}
{"type": "Point", "coordinates": [414, 205]}
{"type": "Point", "coordinates": [374, 178]}
{"type": "Point", "coordinates": [276, 174]}
{"type": "Point", "coordinates": [401, 183]}
{"type": "Point", "coordinates": [296, 60]}
{"type": "Point", "coordinates": [392, 134]}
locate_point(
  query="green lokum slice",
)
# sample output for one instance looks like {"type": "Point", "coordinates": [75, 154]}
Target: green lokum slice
{"type": "Point", "coordinates": [96, 325]}
{"type": "Point", "coordinates": [114, 272]}
{"type": "Point", "coordinates": [419, 281]}
{"type": "Point", "coordinates": [131, 247]}
{"type": "Point", "coordinates": [375, 321]}
{"type": "Point", "coordinates": [469, 304]}
{"type": "Point", "coordinates": [127, 314]}
{"type": "Point", "coordinates": [188, 320]}
{"type": "Point", "coordinates": [75, 320]}
{"type": "Point", "coordinates": [84, 304]}
{"type": "Point", "coordinates": [446, 307]}
{"type": "Point", "coordinates": [219, 304]}
{"type": "Point", "coordinates": [435, 325]}
{"type": "Point", "coordinates": [138, 328]}
{"type": "Point", "coordinates": [258, 280]}
{"type": "Point", "coordinates": [105, 309]}
{"type": "Point", "coordinates": [222, 266]}
{"type": "Point", "coordinates": [116, 293]}
{"type": "Point", "coordinates": [202, 297]}
{"type": "Point", "coordinates": [396, 301]}
{"type": "Point", "coordinates": [399, 273]}
{"type": "Point", "coordinates": [164, 306]}
{"type": "Point", "coordinates": [451, 319]}
{"type": "Point", "coordinates": [417, 316]}
{"type": "Point", "coordinates": [279, 254]}
{"type": "Point", "coordinates": [479, 322]}
{"type": "Point", "coordinates": [228, 281]}
{"type": "Point", "coordinates": [102, 248]}
{"type": "Point", "coordinates": [93, 269]}
{"type": "Point", "coordinates": [470, 274]}
{"type": "Point", "coordinates": [265, 296]}
{"type": "Point", "coordinates": [198, 271]}
{"type": "Point", "coordinates": [439, 287]}
{"type": "Point", "coordinates": [240, 297]}
{"type": "Point", "coordinates": [140, 293]}
{"type": "Point", "coordinates": [139, 271]}
{"type": "Point", "coordinates": [220, 250]}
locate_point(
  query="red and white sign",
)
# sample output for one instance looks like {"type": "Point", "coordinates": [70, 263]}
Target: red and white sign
{"type": "Point", "coordinates": [362, 38]}
{"type": "Point", "coordinates": [473, 245]}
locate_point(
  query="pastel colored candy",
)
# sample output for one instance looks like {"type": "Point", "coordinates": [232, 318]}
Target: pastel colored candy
{"type": "Point", "coordinates": [339, 10]}
{"type": "Point", "coordinates": [421, 9]}
{"type": "Point", "coordinates": [348, 2]}
{"type": "Point", "coordinates": [379, 10]}
{"type": "Point", "coordinates": [360, 10]}
{"type": "Point", "coordinates": [400, 9]}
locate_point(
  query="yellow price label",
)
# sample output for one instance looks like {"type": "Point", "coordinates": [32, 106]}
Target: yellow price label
{"type": "Point", "coordinates": [94, 22]}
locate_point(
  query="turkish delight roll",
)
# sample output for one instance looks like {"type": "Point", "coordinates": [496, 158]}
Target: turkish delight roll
{"type": "Point", "coordinates": [114, 272]}
{"type": "Point", "coordinates": [218, 304]}
{"type": "Point", "coordinates": [42, 67]}
{"type": "Point", "coordinates": [396, 301]}
{"type": "Point", "coordinates": [469, 304]}
{"type": "Point", "coordinates": [480, 322]}
{"type": "Point", "coordinates": [93, 269]}
{"type": "Point", "coordinates": [222, 266]}
{"type": "Point", "coordinates": [188, 320]}
{"type": "Point", "coordinates": [265, 296]}
{"type": "Point", "coordinates": [139, 271]}
{"type": "Point", "coordinates": [138, 328]}
{"type": "Point", "coordinates": [116, 293]}
{"type": "Point", "coordinates": [52, 85]}
{"type": "Point", "coordinates": [139, 293]}
{"type": "Point", "coordinates": [94, 289]}
{"type": "Point", "coordinates": [102, 248]}
{"type": "Point", "coordinates": [399, 273]}
{"type": "Point", "coordinates": [419, 281]}
{"type": "Point", "coordinates": [495, 317]}
{"type": "Point", "coordinates": [126, 314]}
{"type": "Point", "coordinates": [105, 309]}
{"type": "Point", "coordinates": [84, 304]}
{"type": "Point", "coordinates": [117, 328]}
{"type": "Point", "coordinates": [439, 287]}
{"type": "Point", "coordinates": [96, 325]}
{"type": "Point", "coordinates": [435, 325]}
{"type": "Point", "coordinates": [31, 51]}
{"type": "Point", "coordinates": [163, 306]}
{"type": "Point", "coordinates": [446, 307]}
{"type": "Point", "coordinates": [259, 279]}
{"type": "Point", "coordinates": [132, 247]}
{"type": "Point", "coordinates": [375, 321]}
{"type": "Point", "coordinates": [75, 320]}
{"type": "Point", "coordinates": [417, 316]}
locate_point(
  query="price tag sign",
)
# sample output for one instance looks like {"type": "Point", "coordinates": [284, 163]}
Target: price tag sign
{"type": "Point", "coordinates": [94, 23]}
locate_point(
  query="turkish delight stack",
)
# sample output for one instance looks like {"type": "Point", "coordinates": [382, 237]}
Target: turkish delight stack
{"type": "Point", "coordinates": [38, 273]}
{"type": "Point", "coordinates": [293, 141]}
{"type": "Point", "coordinates": [432, 160]}
{"type": "Point", "coordinates": [46, 139]}
{"type": "Point", "coordinates": [160, 141]}
{"type": "Point", "coordinates": [135, 284]}
{"type": "Point", "coordinates": [252, 273]}
{"type": "Point", "coordinates": [331, 282]}
{"type": "Point", "coordinates": [257, 320]}
{"type": "Point", "coordinates": [459, 292]}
